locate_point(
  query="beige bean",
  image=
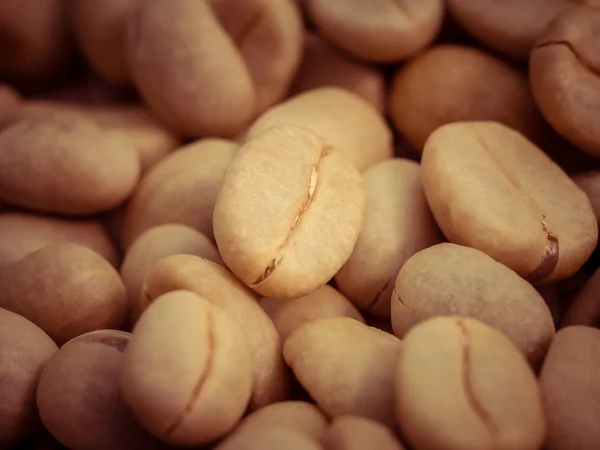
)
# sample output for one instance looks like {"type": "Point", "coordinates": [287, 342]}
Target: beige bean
{"type": "Point", "coordinates": [324, 302]}
{"type": "Point", "coordinates": [216, 284]}
{"type": "Point", "coordinates": [346, 121]}
{"type": "Point", "coordinates": [23, 233]}
{"type": "Point", "coordinates": [322, 66]}
{"type": "Point", "coordinates": [182, 188]}
{"type": "Point", "coordinates": [585, 307]}
{"type": "Point", "coordinates": [569, 384]}
{"type": "Point", "coordinates": [268, 34]}
{"type": "Point", "coordinates": [233, 66]}
{"type": "Point", "coordinates": [490, 188]}
{"type": "Point", "coordinates": [589, 182]}
{"type": "Point", "coordinates": [24, 349]}
{"type": "Point", "coordinates": [268, 438]}
{"type": "Point", "coordinates": [66, 290]}
{"type": "Point", "coordinates": [153, 245]}
{"type": "Point", "coordinates": [564, 68]}
{"type": "Point", "coordinates": [345, 366]}
{"type": "Point", "coordinates": [65, 165]}
{"type": "Point", "coordinates": [381, 30]}
{"type": "Point", "coordinates": [101, 30]}
{"type": "Point", "coordinates": [34, 40]}
{"type": "Point", "coordinates": [453, 83]}
{"type": "Point", "coordinates": [288, 213]}
{"type": "Point", "coordinates": [449, 279]}
{"type": "Point", "coordinates": [460, 384]}
{"type": "Point", "coordinates": [301, 417]}
{"type": "Point", "coordinates": [132, 124]}
{"type": "Point", "coordinates": [398, 223]}
{"type": "Point", "coordinates": [79, 396]}
{"type": "Point", "coordinates": [358, 433]}
{"type": "Point", "coordinates": [187, 373]}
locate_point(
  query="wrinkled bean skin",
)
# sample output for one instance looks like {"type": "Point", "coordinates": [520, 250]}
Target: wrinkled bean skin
{"type": "Point", "coordinates": [569, 384]}
{"type": "Point", "coordinates": [279, 213]}
{"type": "Point", "coordinates": [467, 382]}
{"type": "Point", "coordinates": [490, 188]}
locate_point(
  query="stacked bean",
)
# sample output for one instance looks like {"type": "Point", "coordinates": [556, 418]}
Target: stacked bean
{"type": "Point", "coordinates": [212, 237]}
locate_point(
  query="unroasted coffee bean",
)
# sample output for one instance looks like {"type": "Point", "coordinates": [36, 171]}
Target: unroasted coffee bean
{"type": "Point", "coordinates": [79, 395]}
{"type": "Point", "coordinates": [133, 125]}
{"type": "Point", "coordinates": [359, 433]}
{"type": "Point", "coordinates": [564, 69]}
{"type": "Point", "coordinates": [461, 384]}
{"type": "Point", "coordinates": [288, 213]}
{"type": "Point", "coordinates": [187, 373]}
{"type": "Point", "coordinates": [182, 188]}
{"type": "Point", "coordinates": [450, 279]}
{"type": "Point", "coordinates": [569, 383]}
{"type": "Point", "coordinates": [452, 83]}
{"type": "Point", "coordinates": [589, 182]}
{"type": "Point", "coordinates": [585, 306]}
{"type": "Point", "coordinates": [206, 68]}
{"type": "Point", "coordinates": [397, 224]}
{"type": "Point", "coordinates": [324, 302]}
{"type": "Point", "coordinates": [345, 366]}
{"type": "Point", "coordinates": [510, 26]}
{"type": "Point", "coordinates": [344, 120]}
{"type": "Point", "coordinates": [153, 245]}
{"type": "Point", "coordinates": [66, 290]}
{"type": "Point", "coordinates": [322, 65]}
{"type": "Point", "coordinates": [217, 285]}
{"type": "Point", "coordinates": [22, 233]}
{"type": "Point", "coordinates": [301, 417]}
{"type": "Point", "coordinates": [65, 165]}
{"type": "Point", "coordinates": [490, 188]}
{"type": "Point", "coordinates": [380, 31]}
{"type": "Point", "coordinates": [100, 28]}
{"type": "Point", "coordinates": [24, 349]}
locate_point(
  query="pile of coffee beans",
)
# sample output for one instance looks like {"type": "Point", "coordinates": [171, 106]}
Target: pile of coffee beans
{"type": "Point", "coordinates": [299, 224]}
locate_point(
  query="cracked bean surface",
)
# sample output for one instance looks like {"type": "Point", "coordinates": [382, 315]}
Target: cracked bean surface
{"type": "Point", "coordinates": [492, 189]}
{"type": "Point", "coordinates": [288, 213]}
{"type": "Point", "coordinates": [565, 77]}
{"type": "Point", "coordinates": [462, 385]}
{"type": "Point", "coordinates": [187, 359]}
{"type": "Point", "coordinates": [451, 279]}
